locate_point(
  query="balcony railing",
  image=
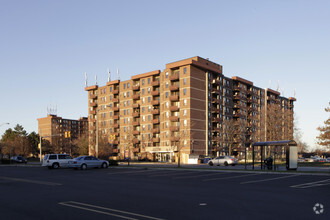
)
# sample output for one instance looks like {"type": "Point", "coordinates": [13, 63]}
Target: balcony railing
{"type": "Point", "coordinates": [115, 109]}
{"type": "Point", "coordinates": [115, 91]}
{"type": "Point", "coordinates": [174, 77]}
{"type": "Point", "coordinates": [155, 93]}
{"type": "Point", "coordinates": [136, 87]}
{"type": "Point", "coordinates": [136, 132]}
{"type": "Point", "coordinates": [115, 100]}
{"type": "Point", "coordinates": [136, 105]}
{"type": "Point", "coordinates": [135, 123]}
{"type": "Point", "coordinates": [155, 130]}
{"type": "Point", "coordinates": [156, 140]}
{"type": "Point", "coordinates": [136, 114]}
{"type": "Point", "coordinates": [174, 108]}
{"type": "Point", "coordinates": [155, 102]}
{"type": "Point", "coordinates": [174, 118]}
{"type": "Point", "coordinates": [155, 121]}
{"type": "Point", "coordinates": [155, 83]}
{"type": "Point", "coordinates": [174, 128]}
{"type": "Point", "coordinates": [174, 88]}
{"type": "Point", "coordinates": [155, 111]}
{"type": "Point", "coordinates": [93, 96]}
{"type": "Point", "coordinates": [136, 96]}
{"type": "Point", "coordinates": [174, 98]}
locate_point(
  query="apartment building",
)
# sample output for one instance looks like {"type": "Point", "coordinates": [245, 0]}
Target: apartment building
{"type": "Point", "coordinates": [53, 129]}
{"type": "Point", "coordinates": [183, 111]}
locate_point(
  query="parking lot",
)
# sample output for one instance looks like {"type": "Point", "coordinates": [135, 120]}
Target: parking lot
{"type": "Point", "coordinates": [126, 193]}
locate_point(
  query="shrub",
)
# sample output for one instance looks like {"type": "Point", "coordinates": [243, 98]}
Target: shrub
{"type": "Point", "coordinates": [113, 163]}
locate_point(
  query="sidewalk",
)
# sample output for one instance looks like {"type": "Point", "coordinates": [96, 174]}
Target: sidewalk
{"type": "Point", "coordinates": [240, 167]}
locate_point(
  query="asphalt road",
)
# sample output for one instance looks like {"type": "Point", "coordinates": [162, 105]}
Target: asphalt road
{"type": "Point", "coordinates": [121, 193]}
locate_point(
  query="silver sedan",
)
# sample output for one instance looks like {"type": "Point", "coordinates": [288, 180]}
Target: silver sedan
{"type": "Point", "coordinates": [85, 162]}
{"type": "Point", "coordinates": [223, 160]}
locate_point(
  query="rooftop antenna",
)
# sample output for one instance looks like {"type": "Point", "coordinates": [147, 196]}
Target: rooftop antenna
{"type": "Point", "coordinates": [118, 74]}
{"type": "Point", "coordinates": [95, 79]}
{"type": "Point", "coordinates": [85, 79]}
{"type": "Point", "coordinates": [278, 85]}
{"type": "Point", "coordinates": [294, 93]}
{"type": "Point", "coordinates": [270, 83]}
{"type": "Point", "coordinates": [109, 75]}
{"type": "Point", "coordinates": [282, 91]}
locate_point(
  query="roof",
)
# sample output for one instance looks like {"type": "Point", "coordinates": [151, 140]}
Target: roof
{"type": "Point", "coordinates": [276, 143]}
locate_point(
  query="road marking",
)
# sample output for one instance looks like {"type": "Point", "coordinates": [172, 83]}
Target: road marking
{"type": "Point", "coordinates": [139, 171]}
{"type": "Point", "coordinates": [263, 180]}
{"type": "Point", "coordinates": [232, 177]}
{"type": "Point", "coordinates": [209, 174]}
{"type": "Point", "coordinates": [172, 173]}
{"type": "Point", "coordinates": [312, 184]}
{"type": "Point", "coordinates": [147, 171]}
{"type": "Point", "coordinates": [31, 181]}
{"type": "Point", "coordinates": [80, 205]}
{"type": "Point", "coordinates": [202, 204]}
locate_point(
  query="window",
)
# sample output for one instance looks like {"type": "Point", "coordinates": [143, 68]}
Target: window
{"type": "Point", "coordinates": [149, 117]}
{"type": "Point", "coordinates": [143, 118]}
{"type": "Point", "coordinates": [166, 84]}
{"type": "Point", "coordinates": [185, 70]}
{"type": "Point", "coordinates": [143, 82]}
{"type": "Point", "coordinates": [124, 86]}
{"type": "Point", "coordinates": [166, 94]}
{"type": "Point", "coordinates": [149, 109]}
{"type": "Point", "coordinates": [185, 102]}
{"type": "Point", "coordinates": [185, 112]}
{"type": "Point", "coordinates": [149, 90]}
{"type": "Point", "coordinates": [166, 75]}
{"type": "Point", "coordinates": [149, 99]}
{"type": "Point", "coordinates": [149, 127]}
{"type": "Point", "coordinates": [143, 100]}
{"type": "Point", "coordinates": [149, 80]}
{"type": "Point", "coordinates": [184, 91]}
{"type": "Point", "coordinates": [143, 109]}
{"type": "Point", "coordinates": [185, 122]}
{"type": "Point", "coordinates": [167, 114]}
{"type": "Point", "coordinates": [167, 104]}
{"type": "Point", "coordinates": [128, 85]}
{"type": "Point", "coordinates": [127, 94]}
{"type": "Point", "coordinates": [185, 81]}
{"type": "Point", "coordinates": [142, 91]}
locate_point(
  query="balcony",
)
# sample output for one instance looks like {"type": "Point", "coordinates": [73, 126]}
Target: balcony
{"type": "Point", "coordinates": [236, 88]}
{"type": "Point", "coordinates": [174, 139]}
{"type": "Point", "coordinates": [115, 109]}
{"type": "Point", "coordinates": [136, 114]}
{"type": "Point", "coordinates": [155, 140]}
{"type": "Point", "coordinates": [216, 91]}
{"type": "Point", "coordinates": [135, 132]}
{"type": "Point", "coordinates": [155, 112]}
{"type": "Point", "coordinates": [114, 142]}
{"type": "Point", "coordinates": [93, 112]}
{"type": "Point", "coordinates": [216, 129]}
{"type": "Point", "coordinates": [237, 115]}
{"type": "Point", "coordinates": [174, 77]}
{"type": "Point", "coordinates": [174, 108]}
{"type": "Point", "coordinates": [155, 121]}
{"type": "Point", "coordinates": [135, 123]}
{"type": "Point", "coordinates": [216, 81]}
{"type": "Point", "coordinates": [136, 105]}
{"type": "Point", "coordinates": [136, 96]}
{"type": "Point", "coordinates": [155, 102]}
{"type": "Point", "coordinates": [136, 150]}
{"type": "Point", "coordinates": [115, 100]}
{"type": "Point", "coordinates": [174, 88]}
{"type": "Point", "coordinates": [136, 141]}
{"type": "Point", "coordinates": [174, 128]}
{"type": "Point", "coordinates": [155, 130]}
{"type": "Point", "coordinates": [116, 134]}
{"type": "Point", "coordinates": [92, 104]}
{"type": "Point", "coordinates": [218, 110]}
{"type": "Point", "coordinates": [174, 98]}
{"type": "Point", "coordinates": [155, 93]}
{"type": "Point", "coordinates": [236, 106]}
{"type": "Point", "coordinates": [115, 91]}
{"type": "Point", "coordinates": [174, 118]}
{"type": "Point", "coordinates": [216, 120]}
{"type": "Point", "coordinates": [92, 120]}
{"type": "Point", "coordinates": [116, 151]}
{"type": "Point", "coordinates": [116, 125]}
{"type": "Point", "coordinates": [237, 97]}
{"type": "Point", "coordinates": [155, 83]}
{"type": "Point", "coordinates": [93, 96]}
{"type": "Point", "coordinates": [116, 117]}
{"type": "Point", "coordinates": [136, 87]}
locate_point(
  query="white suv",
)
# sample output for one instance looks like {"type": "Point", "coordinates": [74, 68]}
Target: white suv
{"type": "Point", "coordinates": [56, 160]}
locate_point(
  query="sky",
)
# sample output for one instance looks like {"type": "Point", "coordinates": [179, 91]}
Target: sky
{"type": "Point", "coordinates": [47, 46]}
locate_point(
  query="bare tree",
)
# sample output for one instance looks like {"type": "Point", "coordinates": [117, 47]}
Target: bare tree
{"type": "Point", "coordinates": [324, 137]}
{"type": "Point", "coordinates": [229, 130]}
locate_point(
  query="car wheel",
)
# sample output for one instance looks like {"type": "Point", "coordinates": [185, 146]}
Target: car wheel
{"type": "Point", "coordinates": [225, 163]}
{"type": "Point", "coordinates": [55, 166]}
{"type": "Point", "coordinates": [83, 166]}
{"type": "Point", "coordinates": [211, 163]}
{"type": "Point", "coordinates": [104, 165]}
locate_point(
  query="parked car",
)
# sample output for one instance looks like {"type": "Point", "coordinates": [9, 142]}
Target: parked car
{"type": "Point", "coordinates": [223, 160]}
{"type": "Point", "coordinates": [328, 160]}
{"type": "Point", "coordinates": [85, 162]}
{"type": "Point", "coordinates": [56, 161]}
{"type": "Point", "coordinates": [18, 159]}
{"type": "Point", "coordinates": [301, 159]}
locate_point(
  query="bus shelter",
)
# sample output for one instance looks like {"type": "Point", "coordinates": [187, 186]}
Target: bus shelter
{"type": "Point", "coordinates": [288, 146]}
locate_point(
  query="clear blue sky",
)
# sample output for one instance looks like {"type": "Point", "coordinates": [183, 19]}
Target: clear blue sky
{"type": "Point", "coordinates": [47, 46]}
